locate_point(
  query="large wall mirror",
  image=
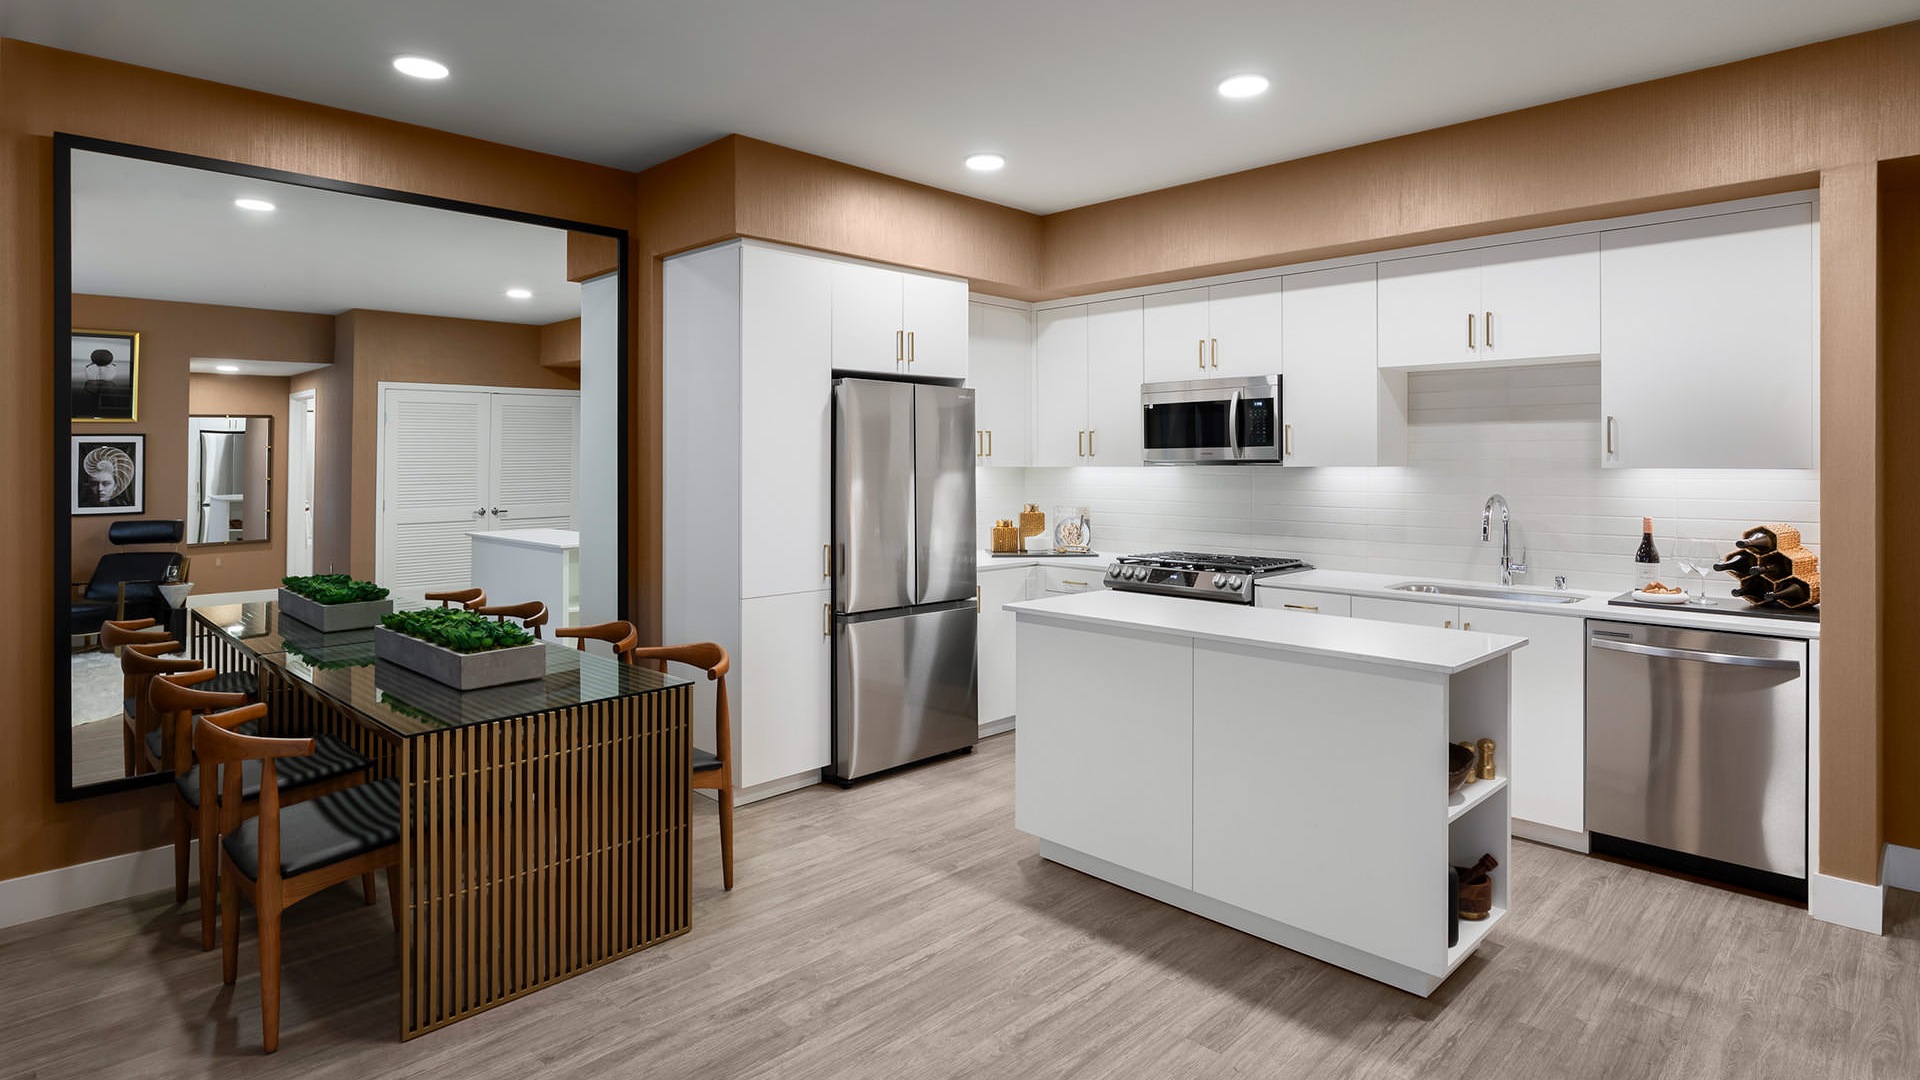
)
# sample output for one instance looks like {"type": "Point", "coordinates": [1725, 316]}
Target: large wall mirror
{"type": "Point", "coordinates": [267, 374]}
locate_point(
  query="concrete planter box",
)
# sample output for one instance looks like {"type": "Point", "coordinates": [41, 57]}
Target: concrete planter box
{"type": "Point", "coordinates": [462, 671]}
{"type": "Point", "coordinates": [328, 618]}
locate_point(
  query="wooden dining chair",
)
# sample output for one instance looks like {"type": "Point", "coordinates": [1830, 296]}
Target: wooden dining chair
{"type": "Point", "coordinates": [466, 598]}
{"type": "Point", "coordinates": [620, 634]}
{"type": "Point", "coordinates": [141, 737]}
{"type": "Point", "coordinates": [117, 634]}
{"type": "Point", "coordinates": [282, 856]}
{"type": "Point", "coordinates": [711, 772]}
{"type": "Point", "coordinates": [176, 700]}
{"type": "Point", "coordinates": [532, 614]}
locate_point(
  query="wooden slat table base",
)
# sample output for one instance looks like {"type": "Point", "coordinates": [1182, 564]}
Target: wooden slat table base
{"type": "Point", "coordinates": [212, 647]}
{"type": "Point", "coordinates": [538, 848]}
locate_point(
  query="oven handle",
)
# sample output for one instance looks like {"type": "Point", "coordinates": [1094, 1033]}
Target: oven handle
{"type": "Point", "coordinates": [1233, 424]}
{"type": "Point", "coordinates": [1696, 655]}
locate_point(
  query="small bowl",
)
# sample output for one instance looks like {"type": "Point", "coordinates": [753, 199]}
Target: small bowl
{"type": "Point", "coordinates": [1460, 767]}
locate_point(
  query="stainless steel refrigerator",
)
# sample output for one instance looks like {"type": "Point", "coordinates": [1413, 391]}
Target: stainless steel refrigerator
{"type": "Point", "coordinates": [904, 559]}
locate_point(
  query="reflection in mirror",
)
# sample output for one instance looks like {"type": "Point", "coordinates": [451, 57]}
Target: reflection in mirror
{"type": "Point", "coordinates": [340, 384]}
{"type": "Point", "coordinates": [229, 479]}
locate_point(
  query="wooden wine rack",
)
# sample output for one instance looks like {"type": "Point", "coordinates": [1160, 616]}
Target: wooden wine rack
{"type": "Point", "coordinates": [1790, 562]}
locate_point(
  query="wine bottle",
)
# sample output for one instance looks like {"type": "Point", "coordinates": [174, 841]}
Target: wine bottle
{"type": "Point", "coordinates": [1753, 589]}
{"type": "Point", "coordinates": [1647, 558]}
{"type": "Point", "coordinates": [1790, 593]}
{"type": "Point", "coordinates": [1764, 538]}
{"type": "Point", "coordinates": [1739, 563]}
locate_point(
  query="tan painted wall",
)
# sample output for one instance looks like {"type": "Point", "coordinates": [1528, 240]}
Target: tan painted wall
{"type": "Point", "coordinates": [560, 347]}
{"type": "Point", "coordinates": [45, 90]}
{"type": "Point", "coordinates": [170, 336]}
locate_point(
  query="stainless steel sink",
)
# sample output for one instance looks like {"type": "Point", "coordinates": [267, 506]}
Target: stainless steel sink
{"type": "Point", "coordinates": [1488, 592]}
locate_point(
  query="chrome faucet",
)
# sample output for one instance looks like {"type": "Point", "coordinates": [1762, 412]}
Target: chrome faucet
{"type": "Point", "coordinates": [1508, 567]}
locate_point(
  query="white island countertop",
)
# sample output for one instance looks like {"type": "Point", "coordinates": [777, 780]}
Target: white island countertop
{"type": "Point", "coordinates": [1591, 605]}
{"type": "Point", "coordinates": [1418, 648]}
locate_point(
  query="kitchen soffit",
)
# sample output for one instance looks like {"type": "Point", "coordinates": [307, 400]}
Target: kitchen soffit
{"type": "Point", "coordinates": [1088, 99]}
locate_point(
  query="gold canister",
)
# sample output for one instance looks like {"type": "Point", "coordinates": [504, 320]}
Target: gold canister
{"type": "Point", "coordinates": [1484, 751]}
{"type": "Point", "coordinates": [1475, 751]}
{"type": "Point", "coordinates": [1005, 537]}
{"type": "Point", "coordinates": [1032, 523]}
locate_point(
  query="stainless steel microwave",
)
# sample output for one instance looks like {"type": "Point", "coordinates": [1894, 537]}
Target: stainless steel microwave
{"type": "Point", "coordinates": [1211, 421]}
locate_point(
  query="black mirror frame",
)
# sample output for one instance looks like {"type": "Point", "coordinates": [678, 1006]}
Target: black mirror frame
{"type": "Point", "coordinates": [64, 144]}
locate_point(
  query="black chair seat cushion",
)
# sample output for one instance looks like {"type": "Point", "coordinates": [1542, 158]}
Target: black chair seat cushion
{"type": "Point", "coordinates": [330, 759]}
{"type": "Point", "coordinates": [85, 617]}
{"type": "Point", "coordinates": [703, 761]}
{"type": "Point", "coordinates": [323, 831]}
{"type": "Point", "coordinates": [155, 743]}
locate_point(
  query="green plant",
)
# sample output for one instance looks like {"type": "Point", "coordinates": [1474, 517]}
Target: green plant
{"type": "Point", "coordinates": [452, 628]}
{"type": "Point", "coordinates": [333, 589]}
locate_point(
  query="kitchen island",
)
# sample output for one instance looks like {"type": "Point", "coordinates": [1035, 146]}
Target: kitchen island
{"type": "Point", "coordinates": [1274, 771]}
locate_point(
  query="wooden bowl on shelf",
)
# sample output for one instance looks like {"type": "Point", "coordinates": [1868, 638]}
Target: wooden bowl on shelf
{"type": "Point", "coordinates": [1460, 768]}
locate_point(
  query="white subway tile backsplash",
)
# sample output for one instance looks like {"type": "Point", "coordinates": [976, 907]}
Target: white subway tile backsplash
{"type": "Point", "coordinates": [1532, 434]}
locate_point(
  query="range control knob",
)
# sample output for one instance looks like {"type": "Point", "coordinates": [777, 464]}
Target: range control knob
{"type": "Point", "coordinates": [1114, 570]}
{"type": "Point", "coordinates": [1219, 581]}
{"type": "Point", "coordinates": [1233, 582]}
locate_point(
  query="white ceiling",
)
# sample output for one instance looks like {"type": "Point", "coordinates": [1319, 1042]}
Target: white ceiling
{"type": "Point", "coordinates": [163, 232]}
{"type": "Point", "coordinates": [1088, 99]}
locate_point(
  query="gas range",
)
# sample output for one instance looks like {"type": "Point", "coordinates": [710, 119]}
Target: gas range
{"type": "Point", "coordinates": [1197, 574]}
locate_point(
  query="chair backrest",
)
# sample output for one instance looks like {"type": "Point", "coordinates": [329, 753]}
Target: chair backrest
{"type": "Point", "coordinates": [175, 701]}
{"type": "Point", "coordinates": [713, 659]}
{"type": "Point", "coordinates": [115, 635]}
{"type": "Point", "coordinates": [466, 598]}
{"type": "Point", "coordinates": [151, 531]}
{"type": "Point", "coordinates": [222, 750]}
{"type": "Point", "coordinates": [142, 571]}
{"type": "Point", "coordinates": [620, 634]}
{"type": "Point", "coordinates": [532, 614]}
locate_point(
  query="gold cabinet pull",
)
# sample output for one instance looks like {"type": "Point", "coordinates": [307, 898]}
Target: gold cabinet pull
{"type": "Point", "coordinates": [1303, 607]}
{"type": "Point", "coordinates": [1469, 329]}
{"type": "Point", "coordinates": [899, 348]}
{"type": "Point", "coordinates": [1286, 439]}
{"type": "Point", "coordinates": [1448, 625]}
{"type": "Point", "coordinates": [1487, 330]}
{"type": "Point", "coordinates": [1090, 450]}
{"type": "Point", "coordinates": [1216, 351]}
{"type": "Point", "coordinates": [909, 346]}
{"type": "Point", "coordinates": [1064, 581]}
{"type": "Point", "coordinates": [1081, 442]}
{"type": "Point", "coordinates": [826, 560]}
{"type": "Point", "coordinates": [989, 442]}
{"type": "Point", "coordinates": [1200, 353]}
{"type": "Point", "coordinates": [976, 598]}
{"type": "Point", "coordinates": [826, 620]}
{"type": "Point", "coordinates": [1609, 436]}
{"type": "Point", "coordinates": [979, 444]}
{"type": "Point", "coordinates": [1466, 626]}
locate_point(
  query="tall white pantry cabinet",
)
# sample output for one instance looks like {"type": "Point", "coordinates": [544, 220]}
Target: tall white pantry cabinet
{"type": "Point", "coordinates": [749, 337]}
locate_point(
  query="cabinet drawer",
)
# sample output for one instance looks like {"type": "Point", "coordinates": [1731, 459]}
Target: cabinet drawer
{"type": "Point", "coordinates": [1317, 603]}
{"type": "Point", "coordinates": [1068, 579]}
{"type": "Point", "coordinates": [1412, 612]}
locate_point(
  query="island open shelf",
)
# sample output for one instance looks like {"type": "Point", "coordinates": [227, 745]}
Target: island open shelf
{"type": "Point", "coordinates": [1273, 771]}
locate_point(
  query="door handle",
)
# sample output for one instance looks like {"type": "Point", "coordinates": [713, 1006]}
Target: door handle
{"type": "Point", "coordinates": [1466, 626]}
{"type": "Point", "coordinates": [1233, 424]}
{"type": "Point", "coordinates": [826, 560]}
{"type": "Point", "coordinates": [1695, 655]}
{"type": "Point", "coordinates": [1448, 625]}
{"type": "Point", "coordinates": [909, 346]}
{"type": "Point", "coordinates": [497, 512]}
{"type": "Point", "coordinates": [1081, 442]}
{"type": "Point", "coordinates": [1090, 450]}
{"type": "Point", "coordinates": [1609, 425]}
{"type": "Point", "coordinates": [1216, 352]}
{"type": "Point", "coordinates": [1469, 329]}
{"type": "Point", "coordinates": [979, 444]}
{"type": "Point", "coordinates": [976, 598]}
{"type": "Point", "coordinates": [1487, 330]}
{"type": "Point", "coordinates": [1286, 439]}
{"type": "Point", "coordinates": [1302, 607]}
{"type": "Point", "coordinates": [1200, 353]}
{"type": "Point", "coordinates": [482, 512]}
{"type": "Point", "coordinates": [989, 442]}
{"type": "Point", "coordinates": [899, 349]}
{"type": "Point", "coordinates": [1064, 581]}
{"type": "Point", "coordinates": [826, 620]}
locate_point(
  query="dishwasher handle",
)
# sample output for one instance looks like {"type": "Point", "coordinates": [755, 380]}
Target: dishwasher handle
{"type": "Point", "coordinates": [1696, 655]}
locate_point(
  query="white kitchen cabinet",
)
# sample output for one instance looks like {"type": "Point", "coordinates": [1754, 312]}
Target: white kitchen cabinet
{"type": "Point", "coordinates": [1711, 357]}
{"type": "Point", "coordinates": [1312, 603]}
{"type": "Point", "coordinates": [781, 686]}
{"type": "Point", "coordinates": [1218, 330]}
{"type": "Point", "coordinates": [1000, 369]}
{"type": "Point", "coordinates": [786, 399]}
{"type": "Point", "coordinates": [890, 321]}
{"type": "Point", "coordinates": [1339, 407]}
{"type": "Point", "coordinates": [1071, 579]}
{"type": "Point", "coordinates": [1086, 401]}
{"type": "Point", "coordinates": [998, 588]}
{"type": "Point", "coordinates": [1546, 753]}
{"type": "Point", "coordinates": [1411, 612]}
{"type": "Point", "coordinates": [1509, 303]}
{"type": "Point", "coordinates": [1121, 730]}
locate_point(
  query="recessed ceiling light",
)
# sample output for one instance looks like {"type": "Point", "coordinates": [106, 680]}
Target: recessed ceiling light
{"type": "Point", "coordinates": [1243, 86]}
{"type": "Point", "coordinates": [261, 205]}
{"type": "Point", "coordinates": [419, 67]}
{"type": "Point", "coordinates": [986, 162]}
{"type": "Point", "coordinates": [520, 294]}
{"type": "Point", "coordinates": [228, 369]}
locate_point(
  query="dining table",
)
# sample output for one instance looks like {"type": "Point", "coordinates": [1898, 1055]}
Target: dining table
{"type": "Point", "coordinates": [544, 823]}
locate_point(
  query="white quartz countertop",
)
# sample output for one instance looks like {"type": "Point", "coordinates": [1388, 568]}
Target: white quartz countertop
{"type": "Point", "coordinates": [990, 561]}
{"type": "Point", "coordinates": [1592, 605]}
{"type": "Point", "coordinates": [1421, 648]}
{"type": "Point", "coordinates": [547, 539]}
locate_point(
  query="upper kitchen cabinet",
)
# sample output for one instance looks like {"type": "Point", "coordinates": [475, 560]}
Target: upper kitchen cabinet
{"type": "Point", "coordinates": [1533, 301]}
{"type": "Point", "coordinates": [898, 322]}
{"type": "Point", "coordinates": [1224, 330]}
{"type": "Point", "coordinates": [1711, 348]}
{"type": "Point", "coordinates": [1087, 374]}
{"type": "Point", "coordinates": [1000, 369]}
{"type": "Point", "coordinates": [1338, 407]}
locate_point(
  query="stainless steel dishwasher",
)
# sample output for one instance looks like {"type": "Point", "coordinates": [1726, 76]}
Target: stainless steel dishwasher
{"type": "Point", "coordinates": [1697, 752]}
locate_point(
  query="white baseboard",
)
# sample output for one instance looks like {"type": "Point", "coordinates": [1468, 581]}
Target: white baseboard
{"type": "Point", "coordinates": [1901, 868]}
{"type": "Point", "coordinates": [995, 727]}
{"type": "Point", "coordinates": [744, 795]}
{"type": "Point", "coordinates": [1853, 904]}
{"type": "Point", "coordinates": [73, 888]}
{"type": "Point", "coordinates": [1550, 834]}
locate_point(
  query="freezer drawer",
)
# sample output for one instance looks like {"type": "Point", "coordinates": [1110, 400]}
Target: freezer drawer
{"type": "Point", "coordinates": [903, 687]}
{"type": "Point", "coordinates": [1697, 743]}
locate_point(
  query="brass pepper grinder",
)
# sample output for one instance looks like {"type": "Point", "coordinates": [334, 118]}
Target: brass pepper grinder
{"type": "Point", "coordinates": [1032, 523]}
{"type": "Point", "coordinates": [1484, 750]}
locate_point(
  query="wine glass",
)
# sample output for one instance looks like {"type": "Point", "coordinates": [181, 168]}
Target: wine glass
{"type": "Point", "coordinates": [1704, 553]}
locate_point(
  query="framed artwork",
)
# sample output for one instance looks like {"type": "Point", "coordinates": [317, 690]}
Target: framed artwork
{"type": "Point", "coordinates": [104, 379]}
{"type": "Point", "coordinates": [109, 474]}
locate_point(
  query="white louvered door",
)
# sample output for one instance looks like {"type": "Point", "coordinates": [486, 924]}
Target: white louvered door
{"type": "Point", "coordinates": [433, 478]}
{"type": "Point", "coordinates": [535, 461]}
{"type": "Point", "coordinates": [456, 460]}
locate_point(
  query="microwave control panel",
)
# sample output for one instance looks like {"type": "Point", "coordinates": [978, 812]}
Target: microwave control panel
{"type": "Point", "coordinates": [1257, 422]}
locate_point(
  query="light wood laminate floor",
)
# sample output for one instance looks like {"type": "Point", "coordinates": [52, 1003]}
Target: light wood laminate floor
{"type": "Point", "coordinates": [905, 930]}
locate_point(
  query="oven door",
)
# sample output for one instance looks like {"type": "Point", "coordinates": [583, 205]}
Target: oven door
{"type": "Point", "coordinates": [1211, 421]}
